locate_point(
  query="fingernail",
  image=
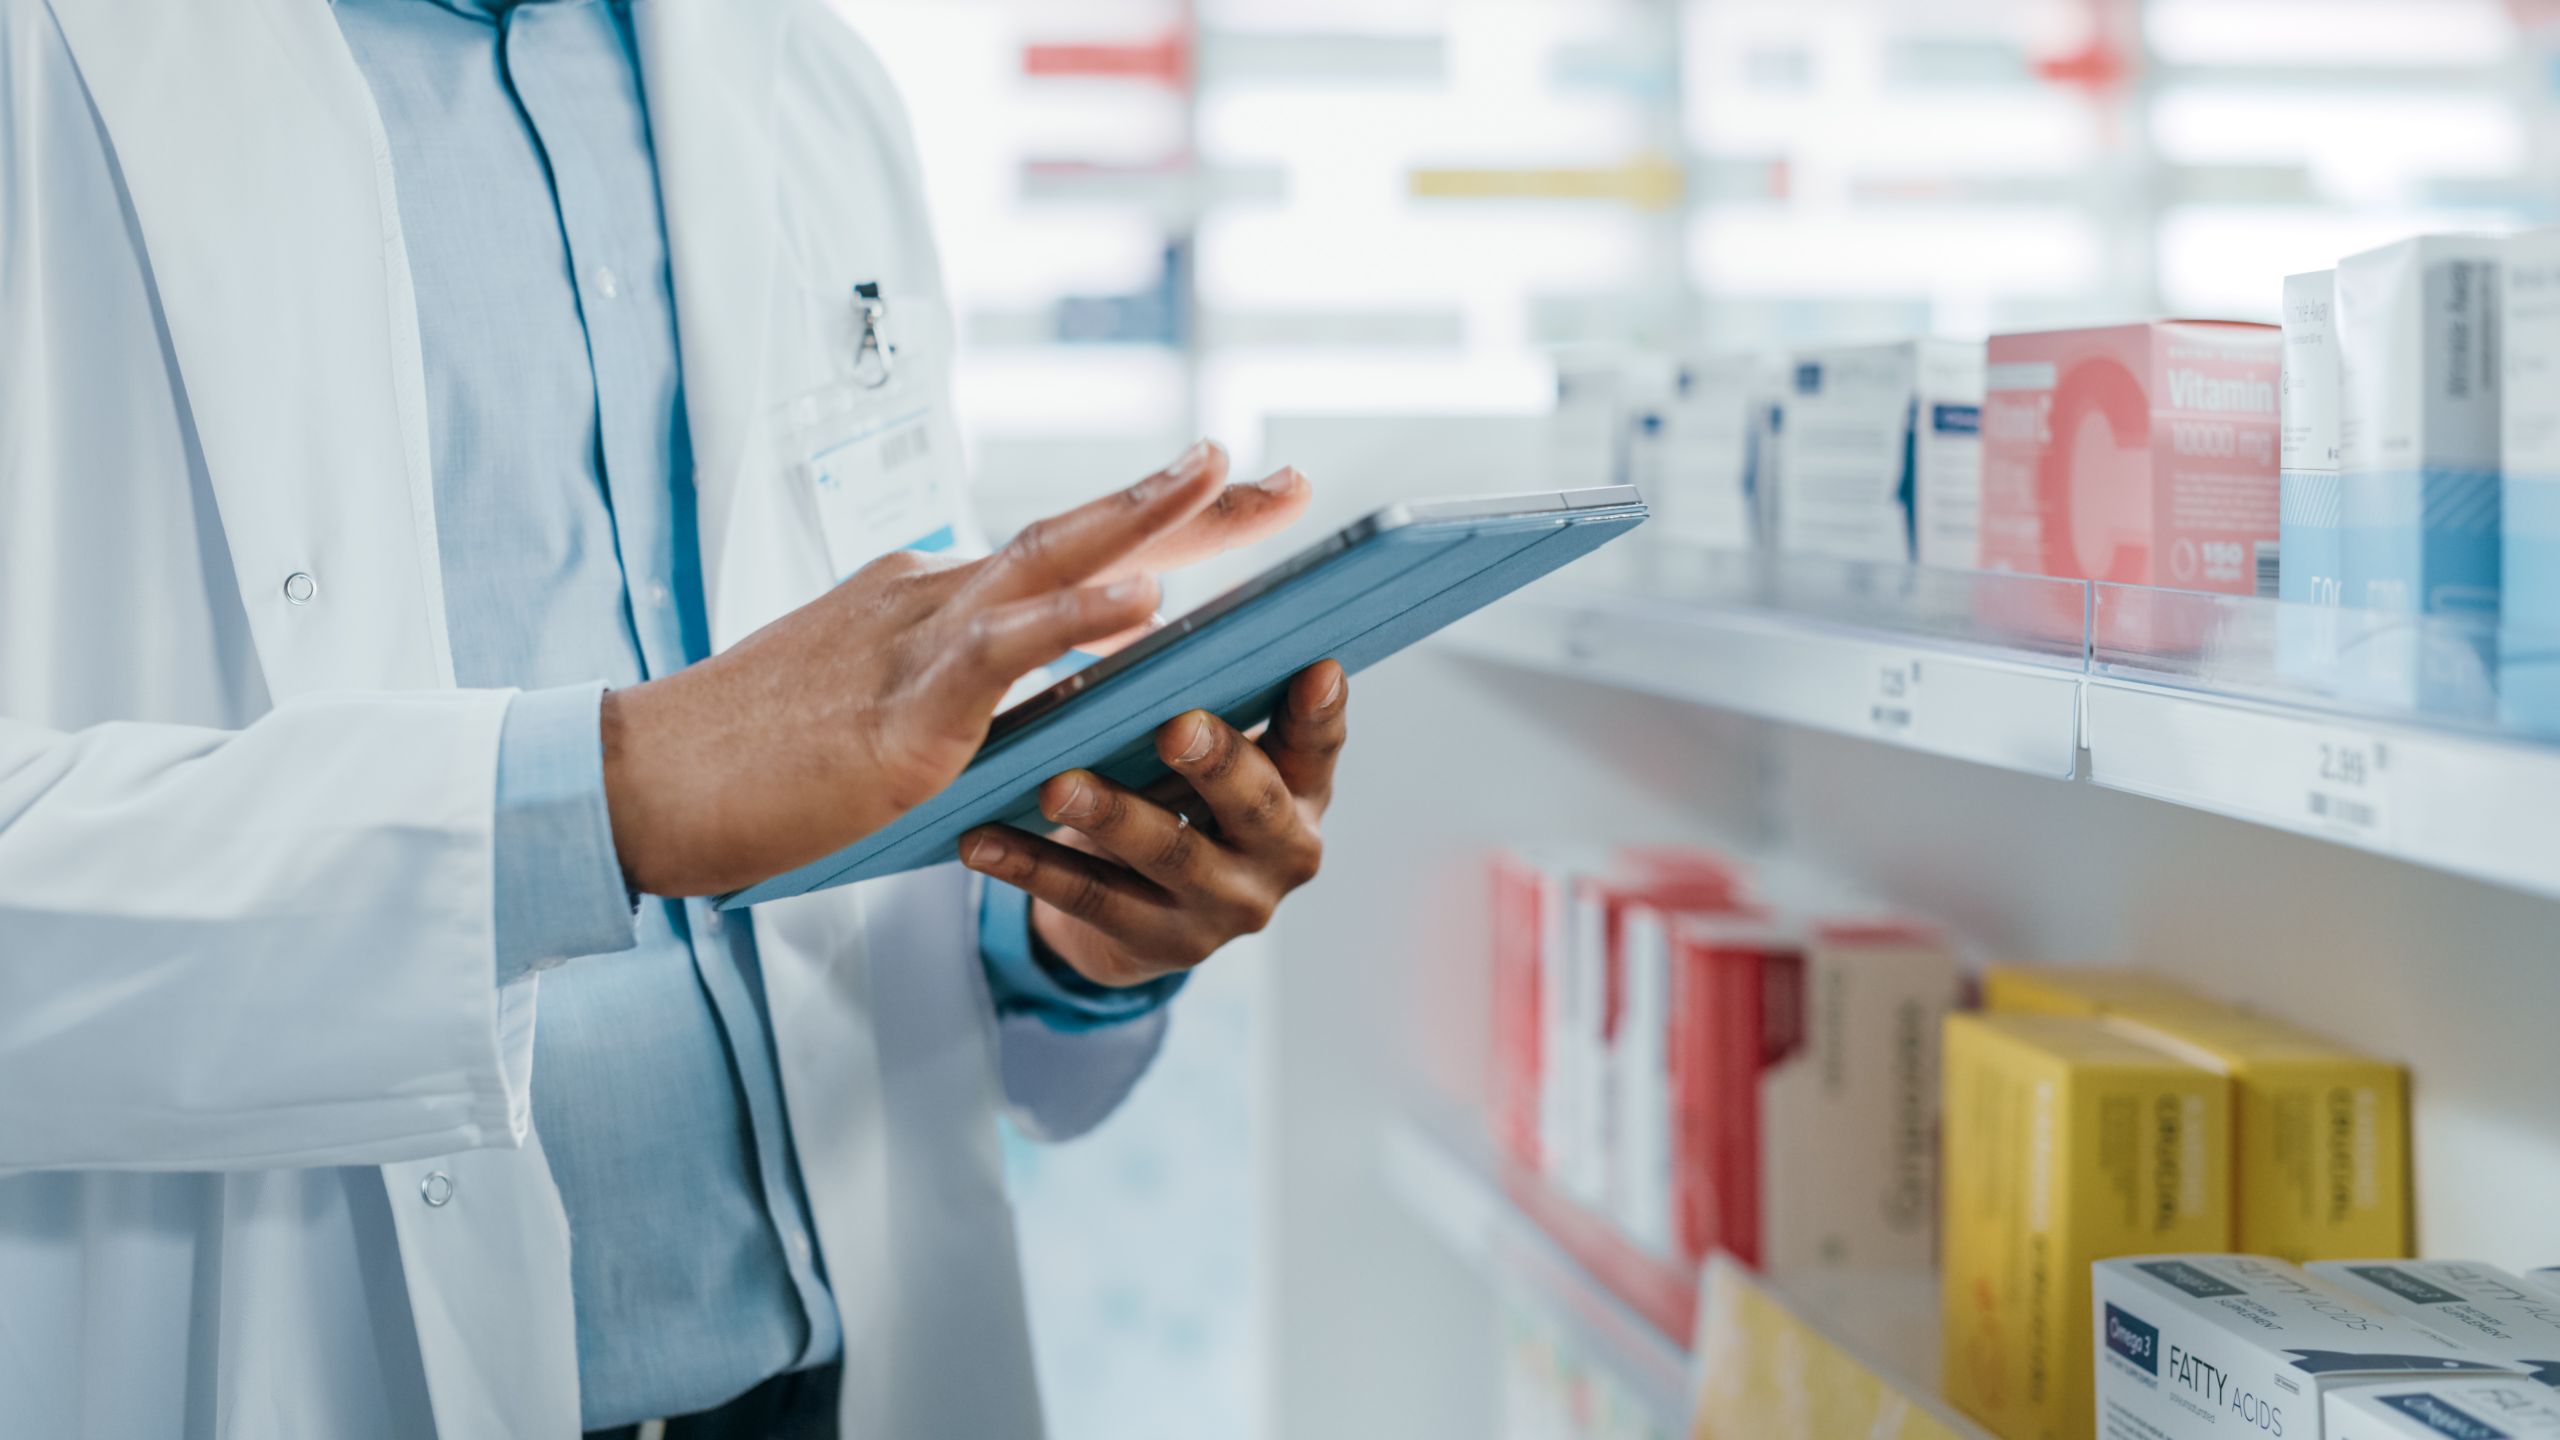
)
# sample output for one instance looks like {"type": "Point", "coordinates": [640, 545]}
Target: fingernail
{"type": "Point", "coordinates": [1333, 692]}
{"type": "Point", "coordinates": [1279, 482]}
{"type": "Point", "coordinates": [1079, 800]}
{"type": "Point", "coordinates": [1196, 739]}
{"type": "Point", "coordinates": [1122, 591]}
{"type": "Point", "coordinates": [1193, 461]}
{"type": "Point", "coordinates": [986, 852]}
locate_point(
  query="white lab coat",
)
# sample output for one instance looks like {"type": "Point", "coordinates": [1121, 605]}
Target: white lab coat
{"type": "Point", "coordinates": [248, 1032]}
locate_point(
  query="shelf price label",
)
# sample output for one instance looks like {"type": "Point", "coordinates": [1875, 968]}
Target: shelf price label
{"type": "Point", "coordinates": [2346, 789]}
{"type": "Point", "coordinates": [1894, 708]}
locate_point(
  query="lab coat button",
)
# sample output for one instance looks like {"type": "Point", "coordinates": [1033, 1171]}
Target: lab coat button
{"type": "Point", "coordinates": [608, 284]}
{"type": "Point", "coordinates": [299, 587]}
{"type": "Point", "coordinates": [659, 594]}
{"type": "Point", "coordinates": [436, 1190]}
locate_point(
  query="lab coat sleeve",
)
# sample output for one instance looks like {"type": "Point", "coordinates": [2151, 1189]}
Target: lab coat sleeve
{"type": "Point", "coordinates": [256, 949]}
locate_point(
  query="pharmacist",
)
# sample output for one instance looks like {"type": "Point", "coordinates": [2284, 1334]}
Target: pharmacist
{"type": "Point", "coordinates": [398, 401]}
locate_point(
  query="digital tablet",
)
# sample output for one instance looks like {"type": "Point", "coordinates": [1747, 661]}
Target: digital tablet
{"type": "Point", "coordinates": [1359, 596]}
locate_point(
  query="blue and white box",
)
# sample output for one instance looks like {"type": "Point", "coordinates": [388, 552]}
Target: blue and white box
{"type": "Point", "coordinates": [2503, 1316]}
{"type": "Point", "coordinates": [2418, 430]}
{"type": "Point", "coordinates": [1880, 454]}
{"type": "Point", "coordinates": [2308, 548]}
{"type": "Point", "coordinates": [2419, 372]}
{"type": "Point", "coordinates": [1698, 453]}
{"type": "Point", "coordinates": [2196, 1345]}
{"type": "Point", "coordinates": [2529, 631]}
{"type": "Point", "coordinates": [2445, 1410]}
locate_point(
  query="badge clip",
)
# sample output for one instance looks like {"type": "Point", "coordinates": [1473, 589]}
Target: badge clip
{"type": "Point", "coordinates": [874, 358]}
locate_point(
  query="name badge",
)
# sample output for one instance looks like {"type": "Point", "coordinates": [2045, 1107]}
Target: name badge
{"type": "Point", "coordinates": [865, 448]}
{"type": "Point", "coordinates": [877, 483]}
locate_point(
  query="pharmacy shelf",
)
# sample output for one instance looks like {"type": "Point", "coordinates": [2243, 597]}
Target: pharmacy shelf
{"type": "Point", "coordinates": [2475, 806]}
{"type": "Point", "coordinates": [2379, 733]}
{"type": "Point", "coordinates": [1487, 1222]}
{"type": "Point", "coordinates": [1719, 640]}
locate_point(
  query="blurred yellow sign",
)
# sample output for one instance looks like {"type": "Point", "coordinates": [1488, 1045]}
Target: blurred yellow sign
{"type": "Point", "coordinates": [1648, 182]}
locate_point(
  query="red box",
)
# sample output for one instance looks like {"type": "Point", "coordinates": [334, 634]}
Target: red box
{"type": "Point", "coordinates": [1737, 1009]}
{"type": "Point", "coordinates": [1804, 1078]}
{"type": "Point", "coordinates": [1533, 899]}
{"type": "Point", "coordinates": [2136, 454]}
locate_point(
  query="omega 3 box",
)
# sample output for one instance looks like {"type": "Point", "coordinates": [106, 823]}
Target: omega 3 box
{"type": "Point", "coordinates": [2500, 1315]}
{"type": "Point", "coordinates": [2065, 1143]}
{"type": "Point", "coordinates": [2319, 1132]}
{"type": "Point", "coordinates": [2194, 1345]}
{"type": "Point", "coordinates": [2445, 1410]}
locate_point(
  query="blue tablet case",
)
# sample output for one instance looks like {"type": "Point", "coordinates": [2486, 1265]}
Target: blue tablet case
{"type": "Point", "coordinates": [1377, 595]}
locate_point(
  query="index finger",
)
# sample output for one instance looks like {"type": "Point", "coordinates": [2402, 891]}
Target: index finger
{"type": "Point", "coordinates": [1072, 548]}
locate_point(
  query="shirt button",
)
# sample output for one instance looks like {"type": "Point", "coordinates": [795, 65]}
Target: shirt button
{"type": "Point", "coordinates": [299, 588]}
{"type": "Point", "coordinates": [436, 1189]}
{"type": "Point", "coordinates": [799, 1247]}
{"type": "Point", "coordinates": [608, 284]}
{"type": "Point", "coordinates": [659, 594]}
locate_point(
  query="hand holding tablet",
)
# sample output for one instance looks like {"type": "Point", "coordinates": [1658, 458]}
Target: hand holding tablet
{"type": "Point", "coordinates": [1356, 597]}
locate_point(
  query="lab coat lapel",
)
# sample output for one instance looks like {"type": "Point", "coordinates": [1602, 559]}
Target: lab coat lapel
{"type": "Point", "coordinates": [709, 70]}
{"type": "Point", "coordinates": [260, 182]}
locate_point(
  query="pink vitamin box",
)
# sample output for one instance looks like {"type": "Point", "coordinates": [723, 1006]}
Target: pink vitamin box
{"type": "Point", "coordinates": [2138, 454]}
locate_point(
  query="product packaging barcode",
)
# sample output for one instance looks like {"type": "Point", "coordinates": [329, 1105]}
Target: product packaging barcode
{"type": "Point", "coordinates": [2270, 569]}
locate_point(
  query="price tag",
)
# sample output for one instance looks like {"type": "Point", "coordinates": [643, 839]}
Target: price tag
{"type": "Point", "coordinates": [1895, 706]}
{"type": "Point", "coordinates": [2346, 786]}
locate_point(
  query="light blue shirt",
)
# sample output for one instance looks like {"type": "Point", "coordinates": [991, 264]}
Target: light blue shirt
{"type": "Point", "coordinates": [565, 511]}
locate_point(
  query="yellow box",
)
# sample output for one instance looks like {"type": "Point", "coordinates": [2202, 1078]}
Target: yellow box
{"type": "Point", "coordinates": [2085, 991]}
{"type": "Point", "coordinates": [2066, 1143]}
{"type": "Point", "coordinates": [2319, 1133]}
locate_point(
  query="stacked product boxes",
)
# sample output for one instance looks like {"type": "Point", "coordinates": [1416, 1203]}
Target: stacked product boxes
{"type": "Point", "coordinates": [1667, 1050]}
{"type": "Point", "coordinates": [2199, 1345]}
{"type": "Point", "coordinates": [2393, 447]}
{"type": "Point", "coordinates": [2227, 1345]}
{"type": "Point", "coordinates": [2093, 1114]}
{"type": "Point", "coordinates": [2318, 1132]}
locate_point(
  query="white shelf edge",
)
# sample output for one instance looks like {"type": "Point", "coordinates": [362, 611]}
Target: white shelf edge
{"type": "Point", "coordinates": [2354, 781]}
{"type": "Point", "coordinates": [1467, 1210]}
{"type": "Point", "coordinates": [1910, 692]}
{"type": "Point", "coordinates": [2475, 805]}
